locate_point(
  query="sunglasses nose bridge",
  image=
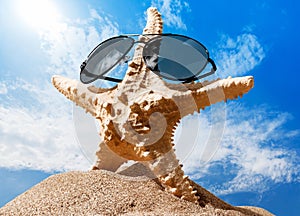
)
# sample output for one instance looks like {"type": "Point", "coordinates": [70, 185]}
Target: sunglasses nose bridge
{"type": "Point", "coordinates": [137, 48]}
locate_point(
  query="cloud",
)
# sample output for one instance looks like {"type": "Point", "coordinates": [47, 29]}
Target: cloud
{"type": "Point", "coordinates": [69, 43]}
{"type": "Point", "coordinates": [36, 127]}
{"type": "Point", "coordinates": [252, 155]}
{"type": "Point", "coordinates": [3, 88]}
{"type": "Point", "coordinates": [250, 151]}
{"type": "Point", "coordinates": [37, 131]}
{"type": "Point", "coordinates": [261, 151]}
{"type": "Point", "coordinates": [238, 56]}
{"type": "Point", "coordinates": [171, 11]}
{"type": "Point", "coordinates": [40, 143]}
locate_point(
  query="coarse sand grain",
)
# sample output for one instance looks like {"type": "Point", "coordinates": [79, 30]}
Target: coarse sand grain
{"type": "Point", "coordinates": [100, 192]}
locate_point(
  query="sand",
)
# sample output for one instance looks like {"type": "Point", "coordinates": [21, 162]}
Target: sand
{"type": "Point", "coordinates": [100, 192]}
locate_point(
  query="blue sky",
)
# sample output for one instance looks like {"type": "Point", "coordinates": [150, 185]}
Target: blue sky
{"type": "Point", "coordinates": [257, 162]}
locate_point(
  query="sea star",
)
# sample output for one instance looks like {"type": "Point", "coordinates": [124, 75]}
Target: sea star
{"type": "Point", "coordinates": [139, 115]}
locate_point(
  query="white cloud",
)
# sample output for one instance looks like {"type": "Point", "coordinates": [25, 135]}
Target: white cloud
{"type": "Point", "coordinates": [3, 88]}
{"type": "Point", "coordinates": [171, 11]}
{"type": "Point", "coordinates": [260, 151]}
{"type": "Point", "coordinates": [36, 130]}
{"type": "Point", "coordinates": [238, 56]}
{"type": "Point", "coordinates": [252, 154]}
{"type": "Point", "coordinates": [38, 142]}
{"type": "Point", "coordinates": [69, 43]}
{"type": "Point", "coordinates": [36, 127]}
{"type": "Point", "coordinates": [198, 136]}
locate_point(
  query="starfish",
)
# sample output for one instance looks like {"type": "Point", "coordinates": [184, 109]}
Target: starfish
{"type": "Point", "coordinates": [139, 115]}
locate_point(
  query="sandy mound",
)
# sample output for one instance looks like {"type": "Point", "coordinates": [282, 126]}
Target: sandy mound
{"type": "Point", "coordinates": [105, 193]}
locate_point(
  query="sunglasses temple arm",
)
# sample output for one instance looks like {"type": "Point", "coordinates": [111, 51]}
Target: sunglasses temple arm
{"type": "Point", "coordinates": [111, 79]}
{"type": "Point", "coordinates": [212, 71]}
{"type": "Point", "coordinates": [205, 75]}
{"type": "Point", "coordinates": [213, 64]}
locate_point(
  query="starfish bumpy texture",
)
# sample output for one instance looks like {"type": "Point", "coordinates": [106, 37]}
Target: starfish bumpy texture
{"type": "Point", "coordinates": [138, 117]}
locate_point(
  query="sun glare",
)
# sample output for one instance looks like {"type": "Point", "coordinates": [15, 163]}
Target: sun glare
{"type": "Point", "coordinates": [38, 13]}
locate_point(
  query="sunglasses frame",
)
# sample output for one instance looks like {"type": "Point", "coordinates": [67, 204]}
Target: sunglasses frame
{"type": "Point", "coordinates": [129, 36]}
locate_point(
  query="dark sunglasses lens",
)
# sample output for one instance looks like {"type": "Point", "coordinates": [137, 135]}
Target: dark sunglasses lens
{"type": "Point", "coordinates": [175, 57]}
{"type": "Point", "coordinates": [105, 57]}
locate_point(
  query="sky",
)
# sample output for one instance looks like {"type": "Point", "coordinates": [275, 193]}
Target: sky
{"type": "Point", "coordinates": [256, 161]}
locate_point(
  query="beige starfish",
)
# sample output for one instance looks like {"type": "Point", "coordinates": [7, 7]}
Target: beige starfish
{"type": "Point", "coordinates": [138, 116]}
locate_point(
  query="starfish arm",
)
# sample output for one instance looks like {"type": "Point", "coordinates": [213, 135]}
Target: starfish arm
{"type": "Point", "coordinates": [86, 97]}
{"type": "Point", "coordinates": [107, 159]}
{"type": "Point", "coordinates": [201, 95]}
{"type": "Point", "coordinates": [154, 23]}
{"type": "Point", "coordinates": [222, 90]}
{"type": "Point", "coordinates": [170, 174]}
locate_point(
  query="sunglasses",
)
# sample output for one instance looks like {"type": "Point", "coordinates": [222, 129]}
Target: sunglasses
{"type": "Point", "coordinates": [171, 56]}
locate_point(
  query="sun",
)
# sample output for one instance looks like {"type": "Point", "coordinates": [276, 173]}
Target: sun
{"type": "Point", "coordinates": [38, 13]}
